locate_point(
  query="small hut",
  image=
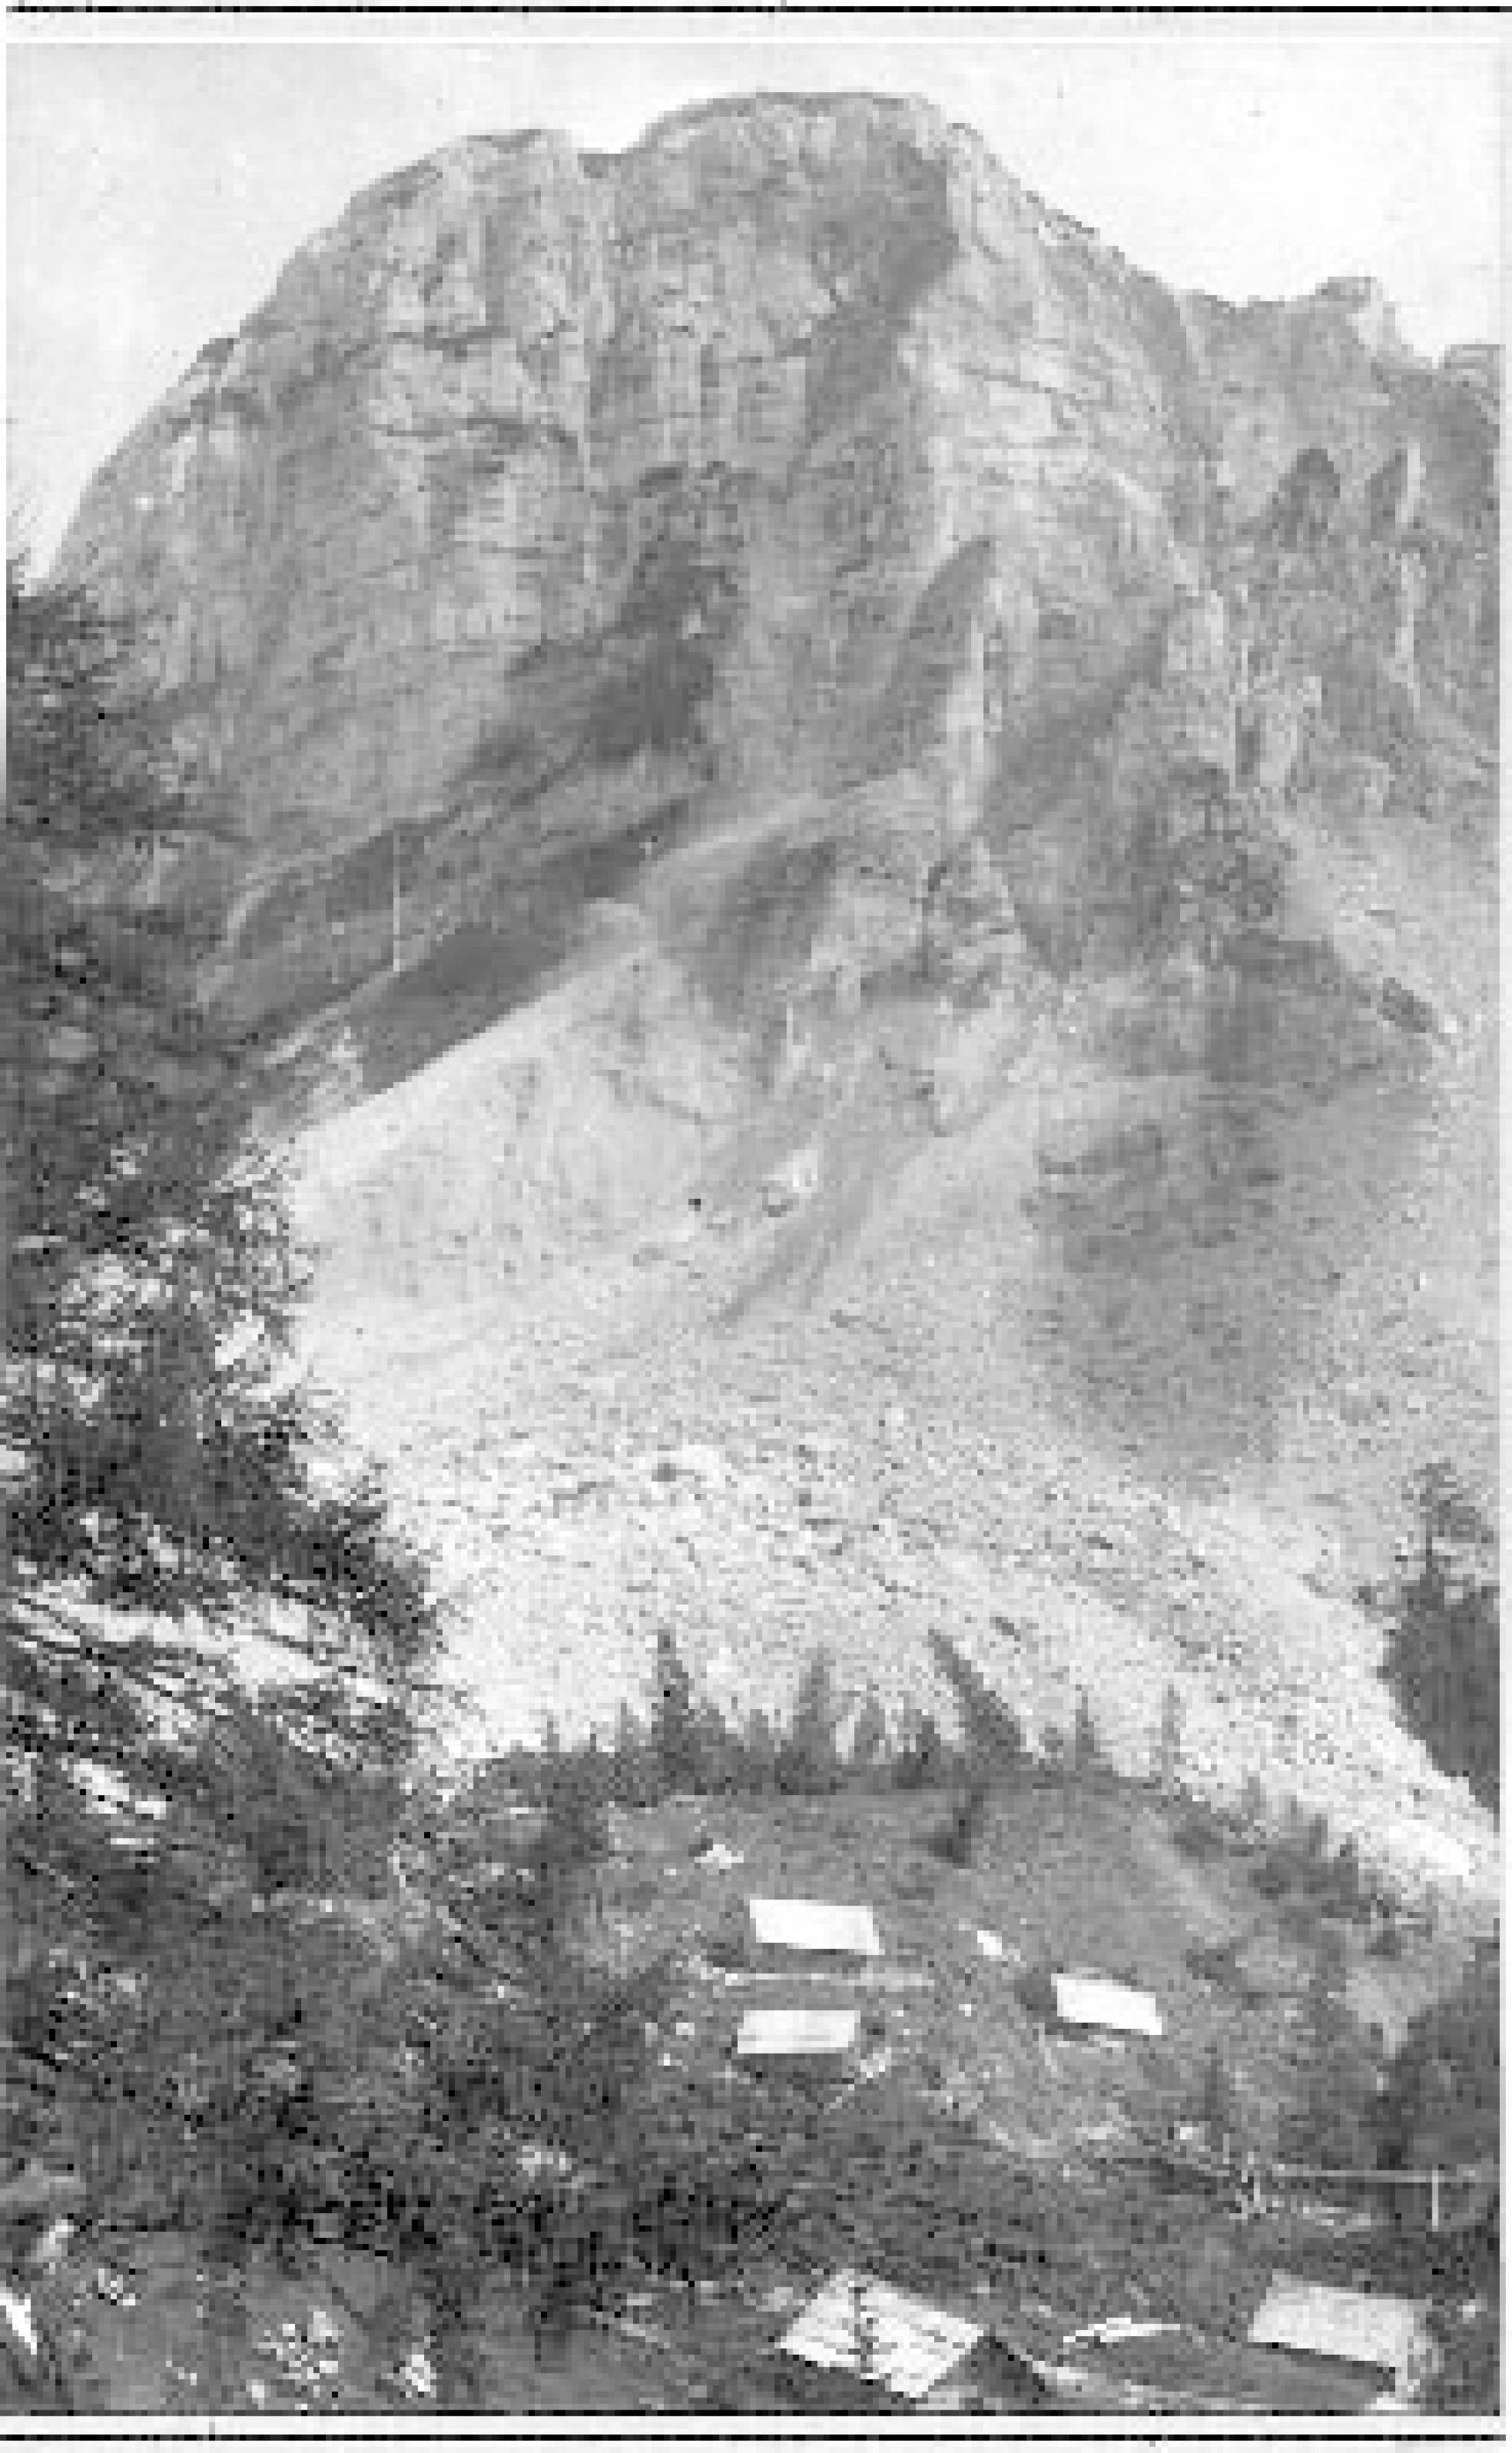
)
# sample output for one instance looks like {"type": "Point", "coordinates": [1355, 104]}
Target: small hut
{"type": "Point", "coordinates": [1090, 2005]}
{"type": "Point", "coordinates": [875, 2347]}
{"type": "Point", "coordinates": [784, 1932]}
{"type": "Point", "coordinates": [1368, 2341]}
{"type": "Point", "coordinates": [797, 2038]}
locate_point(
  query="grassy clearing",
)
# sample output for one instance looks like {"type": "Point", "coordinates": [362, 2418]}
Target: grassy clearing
{"type": "Point", "coordinates": [1064, 1874]}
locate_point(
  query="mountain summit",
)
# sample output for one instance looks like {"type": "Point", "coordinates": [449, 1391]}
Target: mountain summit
{"type": "Point", "coordinates": [920, 813]}
{"type": "Point", "coordinates": [797, 443]}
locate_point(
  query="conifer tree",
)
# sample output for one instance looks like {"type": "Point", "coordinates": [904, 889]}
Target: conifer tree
{"type": "Point", "coordinates": [169, 1484]}
{"type": "Point", "coordinates": [674, 1734]}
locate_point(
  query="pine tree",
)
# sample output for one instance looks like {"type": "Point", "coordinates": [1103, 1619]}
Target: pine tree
{"type": "Point", "coordinates": [1331, 2073]}
{"type": "Point", "coordinates": [1086, 1751]}
{"type": "Point", "coordinates": [1169, 1757]}
{"type": "Point", "coordinates": [758, 1746]}
{"type": "Point", "coordinates": [808, 1761]}
{"type": "Point", "coordinates": [675, 1735]}
{"type": "Point", "coordinates": [992, 1730]}
{"type": "Point", "coordinates": [169, 1483]}
{"type": "Point", "coordinates": [189, 2011]}
{"type": "Point", "coordinates": [1443, 1661]}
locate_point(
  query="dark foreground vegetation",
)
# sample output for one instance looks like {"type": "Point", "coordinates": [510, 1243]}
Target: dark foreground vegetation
{"type": "Point", "coordinates": [276, 1992]}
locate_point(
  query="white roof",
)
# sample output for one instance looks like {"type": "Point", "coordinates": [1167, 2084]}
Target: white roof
{"type": "Point", "coordinates": [1368, 2327]}
{"type": "Point", "coordinates": [816, 1924]}
{"type": "Point", "coordinates": [797, 2031]}
{"type": "Point", "coordinates": [1098, 2002]}
{"type": "Point", "coordinates": [910, 2345]}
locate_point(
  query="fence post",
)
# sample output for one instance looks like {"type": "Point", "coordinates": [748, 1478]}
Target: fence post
{"type": "Point", "coordinates": [1433, 2199]}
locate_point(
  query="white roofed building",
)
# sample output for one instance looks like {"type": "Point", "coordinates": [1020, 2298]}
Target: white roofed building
{"type": "Point", "coordinates": [1376, 2336]}
{"type": "Point", "coordinates": [784, 1929]}
{"type": "Point", "coordinates": [887, 2337]}
{"type": "Point", "coordinates": [802, 2034]}
{"type": "Point", "coordinates": [1098, 2003]}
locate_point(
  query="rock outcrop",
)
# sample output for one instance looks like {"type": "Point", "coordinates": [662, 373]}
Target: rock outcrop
{"type": "Point", "coordinates": [552, 500]}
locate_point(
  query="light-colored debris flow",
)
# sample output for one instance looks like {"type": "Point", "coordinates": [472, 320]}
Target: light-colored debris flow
{"type": "Point", "coordinates": [597, 1455]}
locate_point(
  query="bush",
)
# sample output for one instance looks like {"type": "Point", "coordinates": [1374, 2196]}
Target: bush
{"type": "Point", "coordinates": [1215, 1963]}
{"type": "Point", "coordinates": [728, 1944]}
{"type": "Point", "coordinates": [1346, 1885]}
{"type": "Point", "coordinates": [957, 1838]}
{"type": "Point", "coordinates": [719, 1756]}
{"type": "Point", "coordinates": [1275, 1877]}
{"type": "Point", "coordinates": [922, 1758]}
{"type": "Point", "coordinates": [868, 1739]}
{"type": "Point", "coordinates": [759, 1755]}
{"type": "Point", "coordinates": [1254, 1806]}
{"type": "Point", "coordinates": [1201, 1834]}
{"type": "Point", "coordinates": [1217, 2106]}
{"type": "Point", "coordinates": [1035, 1991]}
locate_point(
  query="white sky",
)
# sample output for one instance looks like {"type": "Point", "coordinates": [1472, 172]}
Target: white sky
{"type": "Point", "coordinates": [155, 187]}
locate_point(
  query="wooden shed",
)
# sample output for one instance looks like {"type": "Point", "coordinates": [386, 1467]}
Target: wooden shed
{"type": "Point", "coordinates": [788, 1932]}
{"type": "Point", "coordinates": [1088, 2004]}
{"type": "Point", "coordinates": [1372, 2340]}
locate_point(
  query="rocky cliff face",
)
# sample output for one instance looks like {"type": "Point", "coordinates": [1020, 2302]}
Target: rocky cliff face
{"type": "Point", "coordinates": [950, 795]}
{"type": "Point", "coordinates": [552, 497]}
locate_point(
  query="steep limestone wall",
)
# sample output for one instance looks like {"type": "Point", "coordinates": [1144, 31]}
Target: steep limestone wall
{"type": "Point", "coordinates": [797, 443]}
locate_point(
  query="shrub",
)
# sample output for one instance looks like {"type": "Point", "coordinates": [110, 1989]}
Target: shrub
{"type": "Point", "coordinates": [1215, 1963]}
{"type": "Point", "coordinates": [718, 1753]}
{"type": "Point", "coordinates": [1035, 1991]}
{"type": "Point", "coordinates": [1275, 1876]}
{"type": "Point", "coordinates": [1201, 1834]}
{"type": "Point", "coordinates": [868, 1739]}
{"type": "Point", "coordinates": [759, 1754]}
{"type": "Point", "coordinates": [1347, 1885]}
{"type": "Point", "coordinates": [1298, 1918]}
{"type": "Point", "coordinates": [729, 1943]}
{"type": "Point", "coordinates": [957, 1838]}
{"type": "Point", "coordinates": [923, 1757]}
